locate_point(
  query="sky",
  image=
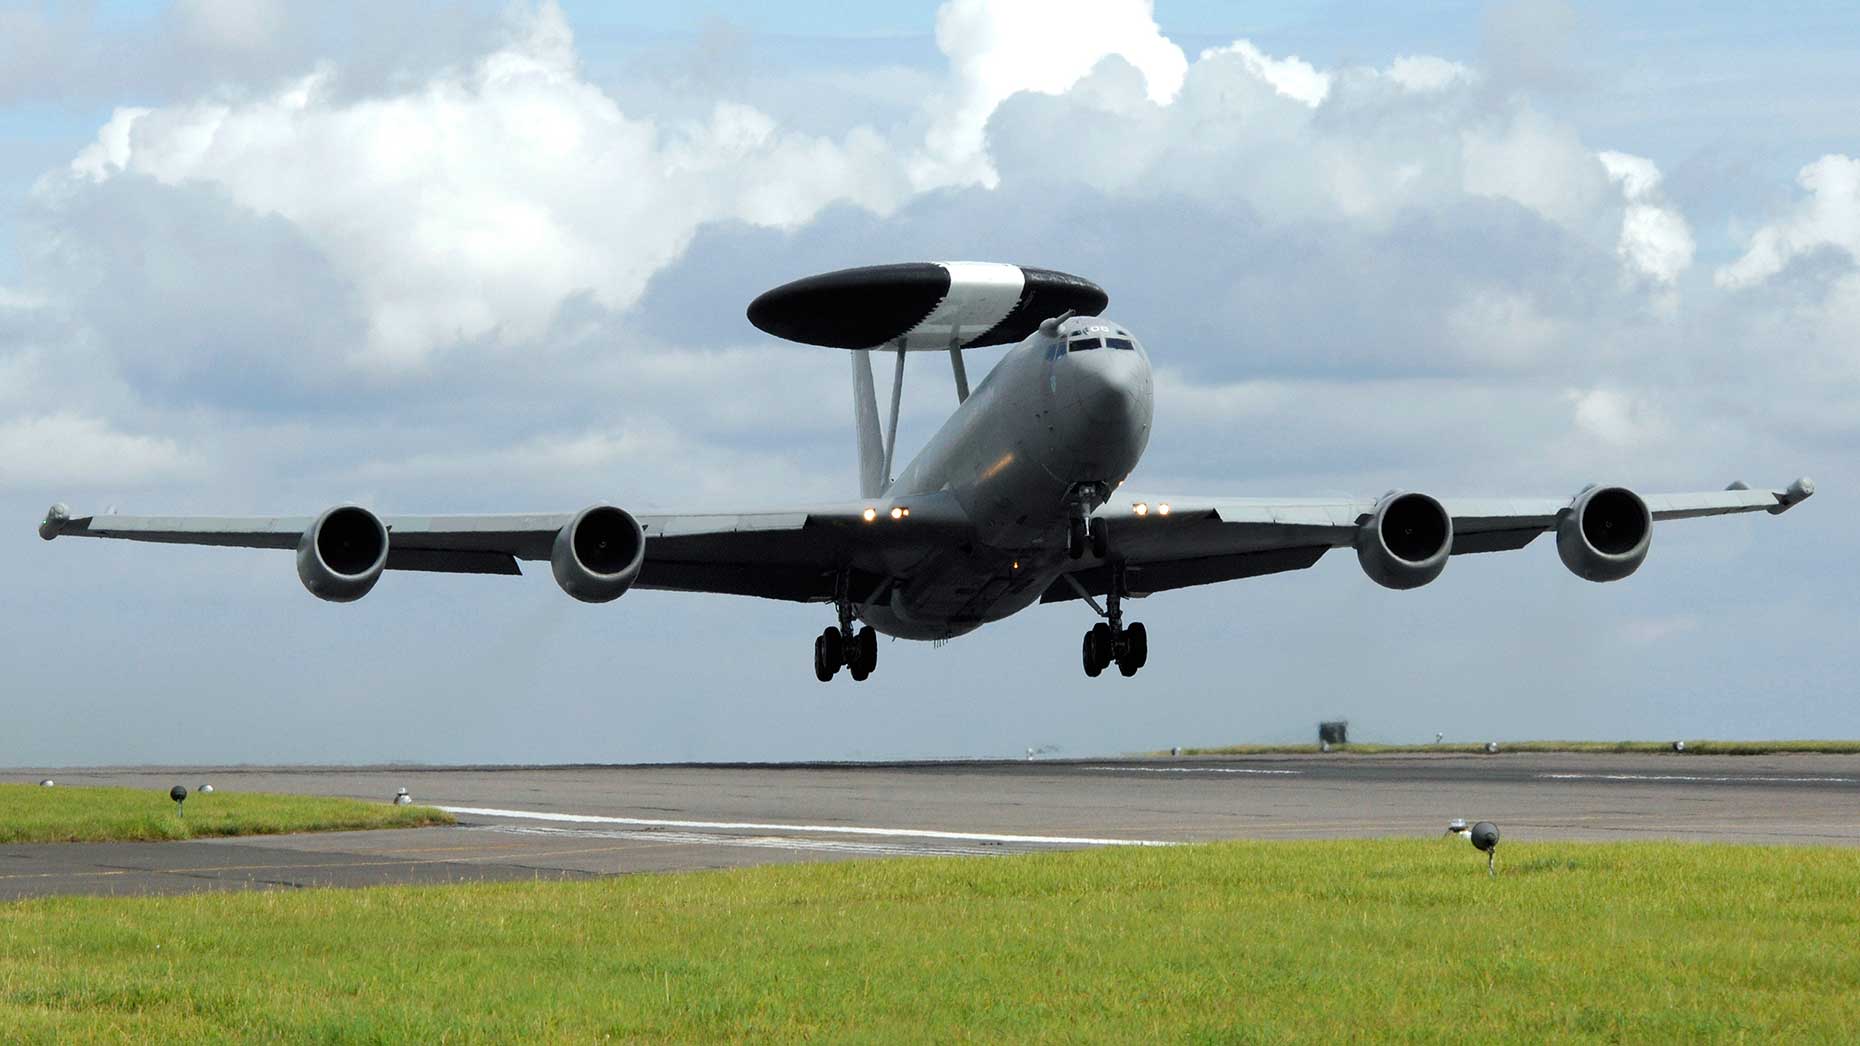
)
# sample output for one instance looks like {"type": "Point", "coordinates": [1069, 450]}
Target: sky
{"type": "Point", "coordinates": [262, 258]}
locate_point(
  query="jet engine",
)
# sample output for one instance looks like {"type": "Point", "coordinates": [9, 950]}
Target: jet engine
{"type": "Point", "coordinates": [341, 555]}
{"type": "Point", "coordinates": [1604, 534]}
{"type": "Point", "coordinates": [598, 554]}
{"type": "Point", "coordinates": [1405, 542]}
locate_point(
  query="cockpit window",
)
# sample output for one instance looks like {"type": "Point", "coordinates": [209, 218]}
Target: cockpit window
{"type": "Point", "coordinates": [1119, 343]}
{"type": "Point", "coordinates": [1082, 344]}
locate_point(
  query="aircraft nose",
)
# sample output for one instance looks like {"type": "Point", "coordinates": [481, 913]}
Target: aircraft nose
{"type": "Point", "coordinates": [1103, 391]}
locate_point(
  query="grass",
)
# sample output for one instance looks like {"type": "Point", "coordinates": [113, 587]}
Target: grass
{"type": "Point", "coordinates": [1692, 748]}
{"type": "Point", "coordinates": [1251, 942]}
{"type": "Point", "coordinates": [31, 814]}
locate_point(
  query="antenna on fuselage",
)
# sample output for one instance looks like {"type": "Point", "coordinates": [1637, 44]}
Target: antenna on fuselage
{"type": "Point", "coordinates": [1050, 325]}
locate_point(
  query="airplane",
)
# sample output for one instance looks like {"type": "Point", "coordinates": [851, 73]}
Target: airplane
{"type": "Point", "coordinates": [1017, 499]}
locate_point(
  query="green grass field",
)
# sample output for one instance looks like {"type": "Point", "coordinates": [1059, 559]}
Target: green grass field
{"type": "Point", "coordinates": [31, 814]}
{"type": "Point", "coordinates": [1266, 942]}
{"type": "Point", "coordinates": [1648, 747]}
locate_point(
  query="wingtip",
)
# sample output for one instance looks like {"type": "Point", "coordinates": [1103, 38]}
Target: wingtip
{"type": "Point", "coordinates": [55, 519]}
{"type": "Point", "coordinates": [1799, 491]}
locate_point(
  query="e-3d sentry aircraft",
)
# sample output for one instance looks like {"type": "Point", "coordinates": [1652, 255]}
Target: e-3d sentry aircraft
{"type": "Point", "coordinates": [1018, 498]}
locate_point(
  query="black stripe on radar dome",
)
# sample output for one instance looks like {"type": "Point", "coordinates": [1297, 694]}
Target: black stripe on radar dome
{"type": "Point", "coordinates": [1048, 293]}
{"type": "Point", "coordinates": [852, 308]}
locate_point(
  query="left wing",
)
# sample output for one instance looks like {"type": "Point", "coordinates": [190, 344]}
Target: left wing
{"type": "Point", "coordinates": [1603, 533]}
{"type": "Point", "coordinates": [796, 554]}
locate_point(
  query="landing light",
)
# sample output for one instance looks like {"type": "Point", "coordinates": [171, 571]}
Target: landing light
{"type": "Point", "coordinates": [897, 512]}
{"type": "Point", "coordinates": [1162, 509]}
{"type": "Point", "coordinates": [869, 514]}
{"type": "Point", "coordinates": [1141, 508]}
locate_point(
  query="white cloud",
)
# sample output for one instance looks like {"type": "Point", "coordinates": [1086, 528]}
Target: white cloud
{"type": "Point", "coordinates": [1503, 328]}
{"type": "Point", "coordinates": [71, 451]}
{"type": "Point", "coordinates": [1537, 162]}
{"type": "Point", "coordinates": [242, 25]}
{"type": "Point", "coordinates": [1614, 418]}
{"type": "Point", "coordinates": [1292, 77]}
{"type": "Point", "coordinates": [1655, 239]}
{"type": "Point", "coordinates": [997, 50]}
{"type": "Point", "coordinates": [1830, 217]}
{"type": "Point", "coordinates": [1426, 74]}
{"type": "Point", "coordinates": [471, 206]}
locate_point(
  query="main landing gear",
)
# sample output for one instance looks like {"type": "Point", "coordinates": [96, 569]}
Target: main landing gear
{"type": "Point", "coordinates": [1109, 641]}
{"type": "Point", "coordinates": [841, 647]}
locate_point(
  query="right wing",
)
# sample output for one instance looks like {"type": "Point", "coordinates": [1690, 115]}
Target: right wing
{"type": "Point", "coordinates": [1168, 543]}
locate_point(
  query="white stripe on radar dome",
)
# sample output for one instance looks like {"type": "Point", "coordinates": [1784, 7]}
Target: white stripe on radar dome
{"type": "Point", "coordinates": [830, 829]}
{"type": "Point", "coordinates": [981, 294]}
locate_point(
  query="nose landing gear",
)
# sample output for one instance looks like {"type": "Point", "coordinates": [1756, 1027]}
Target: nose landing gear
{"type": "Point", "coordinates": [1083, 531]}
{"type": "Point", "coordinates": [1109, 641]}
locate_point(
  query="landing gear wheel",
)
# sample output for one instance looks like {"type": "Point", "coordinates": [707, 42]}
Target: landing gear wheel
{"type": "Point", "coordinates": [1100, 539]}
{"type": "Point", "coordinates": [1092, 667]}
{"type": "Point", "coordinates": [1136, 649]}
{"type": "Point", "coordinates": [868, 649]}
{"type": "Point", "coordinates": [1077, 538]}
{"type": "Point", "coordinates": [1098, 641]}
{"type": "Point", "coordinates": [825, 663]}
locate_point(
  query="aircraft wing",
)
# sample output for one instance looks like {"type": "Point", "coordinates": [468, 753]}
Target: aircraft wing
{"type": "Point", "coordinates": [1177, 542]}
{"type": "Point", "coordinates": [789, 554]}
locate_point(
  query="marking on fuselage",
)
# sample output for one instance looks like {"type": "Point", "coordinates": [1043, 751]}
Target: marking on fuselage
{"type": "Point", "coordinates": [814, 829]}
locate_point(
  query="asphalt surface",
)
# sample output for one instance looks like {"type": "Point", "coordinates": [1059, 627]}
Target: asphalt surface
{"type": "Point", "coordinates": [582, 821]}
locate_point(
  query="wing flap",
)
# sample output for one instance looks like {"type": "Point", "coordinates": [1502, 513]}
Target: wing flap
{"type": "Point", "coordinates": [1146, 578]}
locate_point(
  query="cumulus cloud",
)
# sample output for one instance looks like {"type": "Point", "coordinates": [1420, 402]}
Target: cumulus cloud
{"type": "Point", "coordinates": [472, 206]}
{"type": "Point", "coordinates": [1828, 218]}
{"type": "Point", "coordinates": [1294, 77]}
{"type": "Point", "coordinates": [1613, 417]}
{"type": "Point", "coordinates": [1656, 240]}
{"type": "Point", "coordinates": [64, 450]}
{"type": "Point", "coordinates": [998, 50]}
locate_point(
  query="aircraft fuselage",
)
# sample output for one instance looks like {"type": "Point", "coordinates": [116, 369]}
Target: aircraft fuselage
{"type": "Point", "coordinates": [1051, 424]}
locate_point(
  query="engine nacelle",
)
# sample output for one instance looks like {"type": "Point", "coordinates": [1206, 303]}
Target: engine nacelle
{"type": "Point", "coordinates": [342, 554]}
{"type": "Point", "coordinates": [1406, 541]}
{"type": "Point", "coordinates": [598, 554]}
{"type": "Point", "coordinates": [1604, 535]}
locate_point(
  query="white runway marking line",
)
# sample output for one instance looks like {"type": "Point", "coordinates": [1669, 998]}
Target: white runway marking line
{"type": "Point", "coordinates": [761, 842]}
{"type": "Point", "coordinates": [812, 829]}
{"type": "Point", "coordinates": [1190, 770]}
{"type": "Point", "coordinates": [1697, 777]}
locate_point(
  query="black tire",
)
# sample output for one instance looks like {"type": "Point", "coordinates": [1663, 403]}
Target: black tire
{"type": "Point", "coordinates": [1100, 638]}
{"type": "Point", "coordinates": [1092, 667]}
{"type": "Point", "coordinates": [823, 670]}
{"type": "Point", "coordinates": [835, 647]}
{"type": "Point", "coordinates": [868, 649]}
{"type": "Point", "coordinates": [858, 672]}
{"type": "Point", "coordinates": [1136, 647]}
{"type": "Point", "coordinates": [1100, 539]}
{"type": "Point", "coordinates": [1076, 538]}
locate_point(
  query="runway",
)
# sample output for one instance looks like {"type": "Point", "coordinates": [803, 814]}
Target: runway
{"type": "Point", "coordinates": [582, 821]}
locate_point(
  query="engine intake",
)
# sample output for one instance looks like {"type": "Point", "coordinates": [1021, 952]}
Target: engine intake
{"type": "Point", "coordinates": [1605, 533]}
{"type": "Point", "coordinates": [598, 554]}
{"type": "Point", "coordinates": [1406, 541]}
{"type": "Point", "coordinates": [342, 554]}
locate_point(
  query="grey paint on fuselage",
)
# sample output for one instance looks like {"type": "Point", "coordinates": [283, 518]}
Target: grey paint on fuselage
{"type": "Point", "coordinates": [1043, 422]}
